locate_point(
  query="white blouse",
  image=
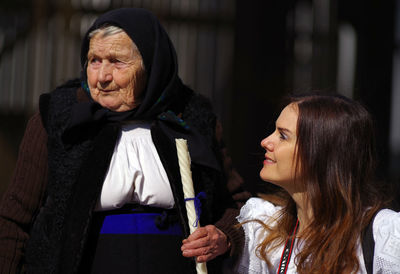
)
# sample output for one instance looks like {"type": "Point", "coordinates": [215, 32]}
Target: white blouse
{"type": "Point", "coordinates": [135, 174]}
{"type": "Point", "coordinates": [386, 232]}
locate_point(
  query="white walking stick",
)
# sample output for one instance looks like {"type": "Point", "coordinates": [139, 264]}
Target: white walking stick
{"type": "Point", "coordinates": [188, 192]}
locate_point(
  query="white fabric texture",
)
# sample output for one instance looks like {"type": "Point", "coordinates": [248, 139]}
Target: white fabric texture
{"type": "Point", "coordinates": [135, 174]}
{"type": "Point", "coordinates": [386, 231]}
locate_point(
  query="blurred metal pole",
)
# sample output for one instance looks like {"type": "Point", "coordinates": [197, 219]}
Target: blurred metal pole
{"type": "Point", "coordinates": [394, 143]}
{"type": "Point", "coordinates": [324, 44]}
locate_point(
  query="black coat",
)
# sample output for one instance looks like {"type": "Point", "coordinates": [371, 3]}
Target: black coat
{"type": "Point", "coordinates": [77, 170]}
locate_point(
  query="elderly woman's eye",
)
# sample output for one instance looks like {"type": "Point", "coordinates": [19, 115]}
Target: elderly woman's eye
{"type": "Point", "coordinates": [116, 61]}
{"type": "Point", "coordinates": [119, 63]}
{"type": "Point", "coordinates": [94, 60]}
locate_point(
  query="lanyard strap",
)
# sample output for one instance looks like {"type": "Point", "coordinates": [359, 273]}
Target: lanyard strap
{"type": "Point", "coordinates": [287, 251]}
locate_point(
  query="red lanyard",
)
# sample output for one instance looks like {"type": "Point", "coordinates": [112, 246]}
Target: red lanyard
{"type": "Point", "coordinates": [287, 251]}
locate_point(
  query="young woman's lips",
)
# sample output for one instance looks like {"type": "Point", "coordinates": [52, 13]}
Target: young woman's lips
{"type": "Point", "coordinates": [269, 161]}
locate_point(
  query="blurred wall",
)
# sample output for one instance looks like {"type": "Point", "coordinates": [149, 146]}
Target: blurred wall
{"type": "Point", "coordinates": [303, 45]}
{"type": "Point", "coordinates": [244, 55]}
{"type": "Point", "coordinates": [41, 49]}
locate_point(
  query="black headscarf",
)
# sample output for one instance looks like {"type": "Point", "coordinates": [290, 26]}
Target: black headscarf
{"type": "Point", "coordinates": [163, 86]}
{"type": "Point", "coordinates": [164, 89]}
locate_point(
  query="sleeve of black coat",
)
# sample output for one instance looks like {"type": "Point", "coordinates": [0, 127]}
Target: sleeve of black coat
{"type": "Point", "coordinates": [23, 197]}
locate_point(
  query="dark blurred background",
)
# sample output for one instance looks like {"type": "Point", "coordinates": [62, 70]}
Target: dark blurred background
{"type": "Point", "coordinates": [244, 55]}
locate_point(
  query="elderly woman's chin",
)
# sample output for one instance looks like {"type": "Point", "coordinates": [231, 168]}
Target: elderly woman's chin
{"type": "Point", "coordinates": [115, 102]}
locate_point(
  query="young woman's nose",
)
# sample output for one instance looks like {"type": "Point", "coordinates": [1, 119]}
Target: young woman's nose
{"type": "Point", "coordinates": [105, 73]}
{"type": "Point", "coordinates": [267, 143]}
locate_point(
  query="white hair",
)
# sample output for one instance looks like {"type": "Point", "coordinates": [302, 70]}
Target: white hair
{"type": "Point", "coordinates": [106, 30]}
{"type": "Point", "coordinates": [109, 30]}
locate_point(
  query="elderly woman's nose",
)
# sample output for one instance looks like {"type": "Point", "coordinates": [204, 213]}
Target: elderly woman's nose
{"type": "Point", "coordinates": [105, 73]}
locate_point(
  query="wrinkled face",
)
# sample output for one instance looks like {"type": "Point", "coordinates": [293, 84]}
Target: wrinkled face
{"type": "Point", "coordinates": [279, 164]}
{"type": "Point", "coordinates": [115, 72]}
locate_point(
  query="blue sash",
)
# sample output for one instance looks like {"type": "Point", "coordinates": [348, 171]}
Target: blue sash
{"type": "Point", "coordinates": [138, 223]}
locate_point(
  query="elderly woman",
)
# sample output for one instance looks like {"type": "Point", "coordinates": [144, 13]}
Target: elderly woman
{"type": "Point", "coordinates": [322, 156]}
{"type": "Point", "coordinates": [97, 187]}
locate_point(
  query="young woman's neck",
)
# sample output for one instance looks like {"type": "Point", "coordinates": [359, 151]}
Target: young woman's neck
{"type": "Point", "coordinates": [304, 210]}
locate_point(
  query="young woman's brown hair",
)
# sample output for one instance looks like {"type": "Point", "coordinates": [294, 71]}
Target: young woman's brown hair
{"type": "Point", "coordinates": [334, 163]}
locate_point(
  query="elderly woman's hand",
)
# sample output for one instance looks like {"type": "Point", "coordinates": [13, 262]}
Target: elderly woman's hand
{"type": "Point", "coordinates": [205, 243]}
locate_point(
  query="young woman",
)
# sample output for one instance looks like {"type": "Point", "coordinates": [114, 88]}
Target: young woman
{"type": "Point", "coordinates": [322, 156]}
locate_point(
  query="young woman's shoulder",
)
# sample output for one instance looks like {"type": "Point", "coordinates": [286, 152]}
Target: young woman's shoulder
{"type": "Point", "coordinates": [257, 208]}
{"type": "Point", "coordinates": [386, 231]}
{"type": "Point", "coordinates": [261, 210]}
{"type": "Point", "coordinates": [387, 222]}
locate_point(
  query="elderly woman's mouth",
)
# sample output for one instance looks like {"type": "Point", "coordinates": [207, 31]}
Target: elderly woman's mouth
{"type": "Point", "coordinates": [107, 90]}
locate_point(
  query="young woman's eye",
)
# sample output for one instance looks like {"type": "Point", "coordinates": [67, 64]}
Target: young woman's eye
{"type": "Point", "coordinates": [282, 136]}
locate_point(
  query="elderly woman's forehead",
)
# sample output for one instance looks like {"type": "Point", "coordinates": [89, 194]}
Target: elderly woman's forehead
{"type": "Point", "coordinates": [109, 31]}
{"type": "Point", "coordinates": [106, 30]}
